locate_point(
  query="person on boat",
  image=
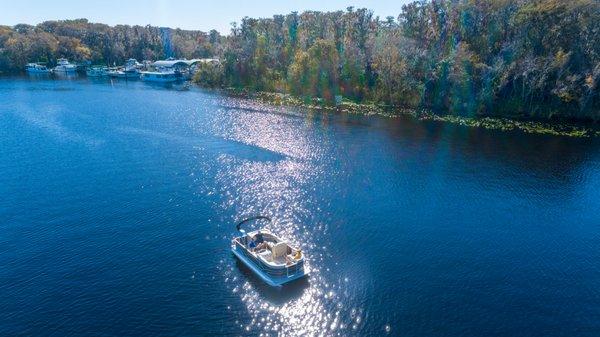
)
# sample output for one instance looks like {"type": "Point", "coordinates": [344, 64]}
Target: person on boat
{"type": "Point", "coordinates": [251, 244]}
{"type": "Point", "coordinates": [291, 259]}
{"type": "Point", "coordinates": [258, 242]}
{"type": "Point", "coordinates": [259, 238]}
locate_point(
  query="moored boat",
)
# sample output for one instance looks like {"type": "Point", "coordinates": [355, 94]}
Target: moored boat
{"type": "Point", "coordinates": [129, 71]}
{"type": "Point", "coordinates": [133, 63]}
{"type": "Point", "coordinates": [159, 76]}
{"type": "Point", "coordinates": [63, 66]}
{"type": "Point", "coordinates": [126, 73]}
{"type": "Point", "coordinates": [273, 259]}
{"type": "Point", "coordinates": [97, 71]}
{"type": "Point", "coordinates": [36, 68]}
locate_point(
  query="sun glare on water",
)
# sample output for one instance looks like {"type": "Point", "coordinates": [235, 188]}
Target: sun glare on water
{"type": "Point", "coordinates": [280, 185]}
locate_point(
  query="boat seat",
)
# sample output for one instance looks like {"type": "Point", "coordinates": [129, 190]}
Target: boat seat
{"type": "Point", "coordinates": [266, 255]}
{"type": "Point", "coordinates": [279, 250]}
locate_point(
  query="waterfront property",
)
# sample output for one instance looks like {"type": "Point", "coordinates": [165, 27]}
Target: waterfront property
{"type": "Point", "coordinates": [172, 70]}
{"type": "Point", "coordinates": [162, 71]}
{"type": "Point", "coordinates": [182, 68]}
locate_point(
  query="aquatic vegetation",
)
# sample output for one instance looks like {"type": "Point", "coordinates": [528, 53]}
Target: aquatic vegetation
{"type": "Point", "coordinates": [505, 124]}
{"type": "Point", "coordinates": [486, 122]}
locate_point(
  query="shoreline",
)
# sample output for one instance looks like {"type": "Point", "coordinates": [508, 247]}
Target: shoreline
{"type": "Point", "coordinates": [556, 128]}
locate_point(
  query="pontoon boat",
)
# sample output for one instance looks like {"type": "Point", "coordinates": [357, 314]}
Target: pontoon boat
{"type": "Point", "coordinates": [268, 256]}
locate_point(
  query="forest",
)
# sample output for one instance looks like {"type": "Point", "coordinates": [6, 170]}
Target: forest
{"type": "Point", "coordinates": [80, 40]}
{"type": "Point", "coordinates": [511, 58]}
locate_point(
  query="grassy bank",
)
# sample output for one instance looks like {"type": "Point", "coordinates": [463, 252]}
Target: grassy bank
{"type": "Point", "coordinates": [494, 123]}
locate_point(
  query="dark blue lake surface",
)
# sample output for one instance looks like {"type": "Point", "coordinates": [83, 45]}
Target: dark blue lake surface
{"type": "Point", "coordinates": [118, 202]}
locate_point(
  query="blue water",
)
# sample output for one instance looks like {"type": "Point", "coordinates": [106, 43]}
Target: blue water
{"type": "Point", "coordinates": [118, 201]}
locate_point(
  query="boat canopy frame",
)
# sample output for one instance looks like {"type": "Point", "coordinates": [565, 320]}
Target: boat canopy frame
{"type": "Point", "coordinates": [238, 227]}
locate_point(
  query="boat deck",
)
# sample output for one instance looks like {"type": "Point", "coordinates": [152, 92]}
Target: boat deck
{"type": "Point", "coordinates": [275, 262]}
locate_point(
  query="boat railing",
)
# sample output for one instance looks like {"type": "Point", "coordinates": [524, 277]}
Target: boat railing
{"type": "Point", "coordinates": [290, 270]}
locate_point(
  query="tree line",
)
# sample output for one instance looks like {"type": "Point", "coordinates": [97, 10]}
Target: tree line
{"type": "Point", "coordinates": [516, 58]}
{"type": "Point", "coordinates": [513, 58]}
{"type": "Point", "coordinates": [80, 40]}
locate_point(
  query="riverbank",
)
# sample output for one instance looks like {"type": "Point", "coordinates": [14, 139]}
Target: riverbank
{"type": "Point", "coordinates": [128, 185]}
{"type": "Point", "coordinates": [563, 128]}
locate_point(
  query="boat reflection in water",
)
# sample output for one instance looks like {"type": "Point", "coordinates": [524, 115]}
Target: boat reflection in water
{"type": "Point", "coordinates": [65, 75]}
{"type": "Point", "coordinates": [275, 295]}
